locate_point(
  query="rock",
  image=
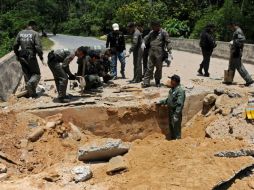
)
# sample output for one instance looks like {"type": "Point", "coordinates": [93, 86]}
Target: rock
{"type": "Point", "coordinates": [23, 143]}
{"type": "Point", "coordinates": [52, 177]}
{"type": "Point", "coordinates": [208, 103]}
{"type": "Point", "coordinates": [82, 173]}
{"type": "Point", "coordinates": [189, 86]}
{"type": "Point", "coordinates": [75, 132]}
{"type": "Point", "coordinates": [105, 150]}
{"type": "Point", "coordinates": [236, 153]}
{"type": "Point", "coordinates": [220, 101]}
{"type": "Point", "coordinates": [237, 111]}
{"type": "Point", "coordinates": [210, 99]}
{"type": "Point", "coordinates": [3, 168]}
{"type": "Point", "coordinates": [219, 91]}
{"type": "Point", "coordinates": [234, 95]}
{"type": "Point", "coordinates": [116, 165]}
{"type": "Point", "coordinates": [58, 118]}
{"type": "Point", "coordinates": [36, 134]}
{"type": "Point", "coordinates": [30, 148]}
{"type": "Point", "coordinates": [50, 125]}
{"type": "Point", "coordinates": [3, 176]}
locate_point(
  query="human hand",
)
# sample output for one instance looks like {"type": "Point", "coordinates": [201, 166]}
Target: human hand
{"type": "Point", "coordinates": [175, 118]}
{"type": "Point", "coordinates": [143, 46]}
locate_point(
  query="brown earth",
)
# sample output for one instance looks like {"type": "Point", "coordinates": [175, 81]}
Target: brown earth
{"type": "Point", "coordinates": [127, 112]}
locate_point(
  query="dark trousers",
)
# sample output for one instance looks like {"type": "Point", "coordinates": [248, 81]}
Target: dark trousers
{"type": "Point", "coordinates": [155, 61]}
{"type": "Point", "coordinates": [60, 76]}
{"type": "Point", "coordinates": [145, 60]}
{"type": "Point", "coordinates": [175, 126]}
{"type": "Point", "coordinates": [137, 63]}
{"type": "Point", "coordinates": [32, 75]}
{"type": "Point", "coordinates": [206, 60]}
{"type": "Point", "coordinates": [235, 63]}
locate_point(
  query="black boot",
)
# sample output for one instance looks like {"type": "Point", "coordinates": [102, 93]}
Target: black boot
{"type": "Point", "coordinates": [200, 72]}
{"type": "Point", "coordinates": [158, 83]}
{"type": "Point", "coordinates": [207, 75]}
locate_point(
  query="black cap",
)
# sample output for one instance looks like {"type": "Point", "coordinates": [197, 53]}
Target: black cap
{"type": "Point", "coordinates": [175, 78]}
{"type": "Point", "coordinates": [83, 49]}
{"type": "Point", "coordinates": [131, 24]}
{"type": "Point", "coordinates": [210, 25]}
{"type": "Point", "coordinates": [32, 23]}
{"type": "Point", "coordinates": [155, 23]}
{"type": "Point", "coordinates": [94, 54]}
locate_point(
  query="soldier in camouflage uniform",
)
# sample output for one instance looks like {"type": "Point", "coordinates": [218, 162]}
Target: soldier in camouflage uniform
{"type": "Point", "coordinates": [58, 62]}
{"type": "Point", "coordinates": [175, 102]}
{"type": "Point", "coordinates": [157, 39]}
{"type": "Point", "coordinates": [236, 51]}
{"type": "Point", "coordinates": [137, 52]}
{"type": "Point", "coordinates": [30, 44]}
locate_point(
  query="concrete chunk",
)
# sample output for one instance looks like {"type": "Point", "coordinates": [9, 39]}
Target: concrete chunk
{"type": "Point", "coordinates": [103, 151]}
{"type": "Point", "coordinates": [82, 173]}
{"type": "Point", "coordinates": [236, 153]}
{"type": "Point", "coordinates": [3, 168]}
{"type": "Point", "coordinates": [116, 165]}
{"type": "Point", "coordinates": [36, 134]}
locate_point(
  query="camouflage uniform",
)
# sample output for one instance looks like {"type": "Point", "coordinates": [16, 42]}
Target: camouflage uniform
{"type": "Point", "coordinates": [30, 44]}
{"type": "Point", "coordinates": [175, 102]}
{"type": "Point", "coordinates": [157, 42]}
{"type": "Point", "coordinates": [58, 62]}
{"type": "Point", "coordinates": [236, 50]}
{"type": "Point", "coordinates": [137, 55]}
{"type": "Point", "coordinates": [90, 73]}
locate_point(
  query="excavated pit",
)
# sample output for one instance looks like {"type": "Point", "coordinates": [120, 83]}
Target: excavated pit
{"type": "Point", "coordinates": [126, 123]}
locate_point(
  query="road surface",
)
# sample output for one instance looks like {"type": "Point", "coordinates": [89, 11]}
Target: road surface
{"type": "Point", "coordinates": [184, 64]}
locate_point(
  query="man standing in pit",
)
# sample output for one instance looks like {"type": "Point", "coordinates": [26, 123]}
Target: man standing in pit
{"type": "Point", "coordinates": [58, 62]}
{"type": "Point", "coordinates": [30, 44]}
{"type": "Point", "coordinates": [175, 103]}
{"type": "Point", "coordinates": [207, 44]}
{"type": "Point", "coordinates": [157, 39]}
{"type": "Point", "coordinates": [236, 51]}
{"type": "Point", "coordinates": [116, 42]}
{"type": "Point", "coordinates": [137, 52]}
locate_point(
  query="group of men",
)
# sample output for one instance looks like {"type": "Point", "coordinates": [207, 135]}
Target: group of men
{"type": "Point", "coordinates": [149, 50]}
{"type": "Point", "coordinates": [93, 64]}
{"type": "Point", "coordinates": [208, 43]}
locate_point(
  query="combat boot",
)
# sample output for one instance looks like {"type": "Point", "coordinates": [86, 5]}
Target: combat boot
{"type": "Point", "coordinates": [158, 83]}
{"type": "Point", "coordinates": [200, 72]}
{"type": "Point", "coordinates": [123, 75]}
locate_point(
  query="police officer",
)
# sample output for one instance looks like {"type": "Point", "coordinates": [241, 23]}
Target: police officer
{"type": "Point", "coordinates": [145, 48]}
{"type": "Point", "coordinates": [116, 42]}
{"type": "Point", "coordinates": [236, 51]}
{"type": "Point", "coordinates": [58, 62]}
{"type": "Point", "coordinates": [137, 51]}
{"type": "Point", "coordinates": [157, 39]}
{"type": "Point", "coordinates": [175, 102]}
{"type": "Point", "coordinates": [207, 44]}
{"type": "Point", "coordinates": [30, 44]}
{"type": "Point", "coordinates": [93, 71]}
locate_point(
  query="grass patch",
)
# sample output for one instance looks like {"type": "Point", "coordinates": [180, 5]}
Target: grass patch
{"type": "Point", "coordinates": [47, 44]}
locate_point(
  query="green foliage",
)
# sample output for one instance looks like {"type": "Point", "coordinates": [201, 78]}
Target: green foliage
{"type": "Point", "coordinates": [5, 43]}
{"type": "Point", "coordinates": [176, 28]}
{"type": "Point", "coordinates": [47, 44]}
{"type": "Point", "coordinates": [241, 13]}
{"type": "Point", "coordinates": [95, 17]}
{"type": "Point", "coordinates": [141, 12]}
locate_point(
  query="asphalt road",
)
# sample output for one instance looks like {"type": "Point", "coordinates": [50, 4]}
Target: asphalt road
{"type": "Point", "coordinates": [184, 64]}
{"type": "Point", "coordinates": [72, 42]}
